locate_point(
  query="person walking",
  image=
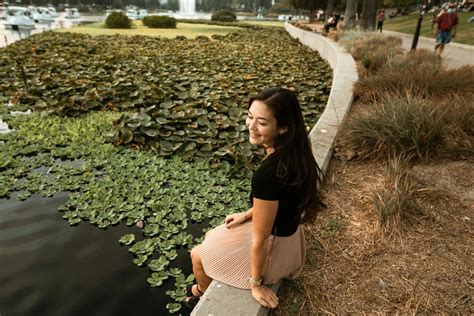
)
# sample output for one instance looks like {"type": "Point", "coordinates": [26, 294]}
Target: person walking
{"type": "Point", "coordinates": [266, 243]}
{"type": "Point", "coordinates": [380, 20]}
{"type": "Point", "coordinates": [447, 24]}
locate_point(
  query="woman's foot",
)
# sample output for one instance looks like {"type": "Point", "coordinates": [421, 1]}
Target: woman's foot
{"type": "Point", "coordinates": [192, 292]}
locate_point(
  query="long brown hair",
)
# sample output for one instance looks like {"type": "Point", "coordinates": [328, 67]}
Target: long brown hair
{"type": "Point", "coordinates": [296, 166]}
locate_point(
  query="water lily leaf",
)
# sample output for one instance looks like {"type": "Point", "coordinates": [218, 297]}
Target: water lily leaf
{"type": "Point", "coordinates": [202, 120]}
{"type": "Point", "coordinates": [159, 264]}
{"type": "Point", "coordinates": [152, 132]}
{"type": "Point", "coordinates": [167, 105]}
{"type": "Point", "coordinates": [127, 239]}
{"type": "Point", "coordinates": [166, 145]}
{"type": "Point", "coordinates": [127, 135]}
{"type": "Point", "coordinates": [161, 120]}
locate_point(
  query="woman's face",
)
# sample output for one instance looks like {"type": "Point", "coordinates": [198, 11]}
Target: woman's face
{"type": "Point", "coordinates": [262, 125]}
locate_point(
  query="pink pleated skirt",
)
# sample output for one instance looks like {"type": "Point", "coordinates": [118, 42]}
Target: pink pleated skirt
{"type": "Point", "coordinates": [226, 255]}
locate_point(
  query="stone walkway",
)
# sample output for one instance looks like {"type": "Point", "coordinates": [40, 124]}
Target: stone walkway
{"type": "Point", "coordinates": [455, 55]}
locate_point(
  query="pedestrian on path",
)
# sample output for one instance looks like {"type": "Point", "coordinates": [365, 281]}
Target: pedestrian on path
{"type": "Point", "coordinates": [380, 20]}
{"type": "Point", "coordinates": [447, 24]}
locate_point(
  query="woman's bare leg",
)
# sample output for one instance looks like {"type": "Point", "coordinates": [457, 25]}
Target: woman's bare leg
{"type": "Point", "coordinates": [202, 279]}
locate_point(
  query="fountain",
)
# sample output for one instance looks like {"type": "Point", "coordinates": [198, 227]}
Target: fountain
{"type": "Point", "coordinates": [187, 7]}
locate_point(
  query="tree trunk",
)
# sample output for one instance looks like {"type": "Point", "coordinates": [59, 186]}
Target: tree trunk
{"type": "Point", "coordinates": [369, 13]}
{"type": "Point", "coordinates": [350, 14]}
{"type": "Point", "coordinates": [329, 9]}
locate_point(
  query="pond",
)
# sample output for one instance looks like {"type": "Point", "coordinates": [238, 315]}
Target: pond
{"type": "Point", "coordinates": [183, 103]}
{"type": "Point", "coordinates": [51, 268]}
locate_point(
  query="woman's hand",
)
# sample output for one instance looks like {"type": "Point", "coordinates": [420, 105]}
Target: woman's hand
{"type": "Point", "coordinates": [264, 296]}
{"type": "Point", "coordinates": [235, 219]}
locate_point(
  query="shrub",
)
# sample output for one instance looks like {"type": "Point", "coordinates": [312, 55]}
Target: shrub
{"type": "Point", "coordinates": [159, 22]}
{"type": "Point", "coordinates": [460, 121]}
{"type": "Point", "coordinates": [224, 16]}
{"type": "Point", "coordinates": [118, 20]}
{"type": "Point", "coordinates": [372, 52]}
{"type": "Point", "coordinates": [400, 125]}
{"type": "Point", "coordinates": [419, 74]}
{"type": "Point", "coordinates": [202, 38]}
{"type": "Point", "coordinates": [396, 197]}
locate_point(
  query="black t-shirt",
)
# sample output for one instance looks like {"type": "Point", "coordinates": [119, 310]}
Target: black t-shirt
{"type": "Point", "coordinates": [266, 186]}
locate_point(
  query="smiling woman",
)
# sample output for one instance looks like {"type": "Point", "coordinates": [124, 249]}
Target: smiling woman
{"type": "Point", "coordinates": [265, 243]}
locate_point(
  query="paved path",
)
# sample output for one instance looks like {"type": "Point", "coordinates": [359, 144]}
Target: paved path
{"type": "Point", "coordinates": [454, 55]}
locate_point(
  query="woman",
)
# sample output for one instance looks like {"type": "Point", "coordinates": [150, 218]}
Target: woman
{"type": "Point", "coordinates": [265, 243]}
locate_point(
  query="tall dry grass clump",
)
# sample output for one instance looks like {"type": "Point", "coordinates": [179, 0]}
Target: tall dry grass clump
{"type": "Point", "coordinates": [459, 119]}
{"type": "Point", "coordinates": [395, 199]}
{"type": "Point", "coordinates": [400, 125]}
{"type": "Point", "coordinates": [371, 51]}
{"type": "Point", "coordinates": [418, 73]}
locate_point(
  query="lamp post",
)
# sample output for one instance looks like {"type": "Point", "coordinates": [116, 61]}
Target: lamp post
{"type": "Point", "coordinates": [418, 27]}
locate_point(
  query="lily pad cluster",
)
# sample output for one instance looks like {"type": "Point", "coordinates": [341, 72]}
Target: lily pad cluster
{"type": "Point", "coordinates": [109, 185]}
{"type": "Point", "coordinates": [191, 94]}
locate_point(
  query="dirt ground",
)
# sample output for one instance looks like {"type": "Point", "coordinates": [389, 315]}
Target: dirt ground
{"type": "Point", "coordinates": [354, 267]}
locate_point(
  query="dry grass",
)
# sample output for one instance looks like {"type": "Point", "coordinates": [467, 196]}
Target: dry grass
{"type": "Point", "coordinates": [373, 51]}
{"type": "Point", "coordinates": [417, 74]}
{"type": "Point", "coordinates": [407, 126]}
{"type": "Point", "coordinates": [357, 269]}
{"type": "Point", "coordinates": [395, 197]}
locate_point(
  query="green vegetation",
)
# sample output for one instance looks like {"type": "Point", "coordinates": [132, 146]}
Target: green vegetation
{"type": "Point", "coordinates": [224, 16]}
{"type": "Point", "coordinates": [183, 100]}
{"type": "Point", "coordinates": [195, 109]}
{"type": "Point", "coordinates": [159, 22]}
{"type": "Point", "coordinates": [407, 24]}
{"type": "Point", "coordinates": [118, 20]}
{"type": "Point", "coordinates": [189, 30]}
{"type": "Point", "coordinates": [46, 155]}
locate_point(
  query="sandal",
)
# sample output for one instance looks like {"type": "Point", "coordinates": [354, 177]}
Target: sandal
{"type": "Point", "coordinates": [191, 300]}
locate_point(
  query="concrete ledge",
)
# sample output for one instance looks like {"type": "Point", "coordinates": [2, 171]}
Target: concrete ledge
{"type": "Point", "coordinates": [344, 68]}
{"type": "Point", "coordinates": [221, 299]}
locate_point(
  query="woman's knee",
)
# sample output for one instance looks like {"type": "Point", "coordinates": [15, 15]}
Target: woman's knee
{"type": "Point", "coordinates": [196, 255]}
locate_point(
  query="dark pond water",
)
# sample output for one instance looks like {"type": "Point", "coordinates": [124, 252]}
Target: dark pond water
{"type": "Point", "coordinates": [50, 268]}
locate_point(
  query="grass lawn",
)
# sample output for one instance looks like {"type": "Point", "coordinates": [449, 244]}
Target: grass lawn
{"type": "Point", "coordinates": [407, 24]}
{"type": "Point", "coordinates": [185, 29]}
{"type": "Point", "coordinates": [264, 23]}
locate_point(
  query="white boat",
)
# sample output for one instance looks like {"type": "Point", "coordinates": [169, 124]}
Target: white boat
{"type": "Point", "coordinates": [40, 15]}
{"type": "Point", "coordinates": [52, 12]}
{"type": "Point", "coordinates": [142, 13]}
{"type": "Point", "coordinates": [72, 13]}
{"type": "Point", "coordinates": [3, 11]}
{"type": "Point", "coordinates": [132, 14]}
{"type": "Point", "coordinates": [18, 19]}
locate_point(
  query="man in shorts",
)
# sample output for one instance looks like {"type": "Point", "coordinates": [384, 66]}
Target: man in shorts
{"type": "Point", "coordinates": [446, 24]}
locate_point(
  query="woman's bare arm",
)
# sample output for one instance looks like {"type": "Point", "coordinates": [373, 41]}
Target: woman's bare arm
{"type": "Point", "coordinates": [264, 213]}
